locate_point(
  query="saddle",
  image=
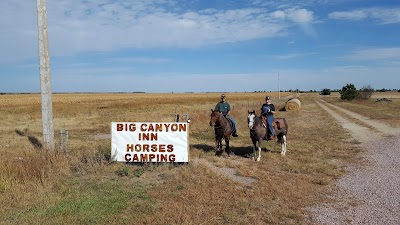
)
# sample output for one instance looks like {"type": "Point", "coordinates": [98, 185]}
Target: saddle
{"type": "Point", "coordinates": [264, 121]}
{"type": "Point", "coordinates": [278, 125]}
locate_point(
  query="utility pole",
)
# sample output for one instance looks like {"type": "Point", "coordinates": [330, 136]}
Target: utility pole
{"type": "Point", "coordinates": [45, 81]}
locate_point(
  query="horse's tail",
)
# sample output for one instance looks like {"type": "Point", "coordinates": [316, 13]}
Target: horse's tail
{"type": "Point", "coordinates": [282, 131]}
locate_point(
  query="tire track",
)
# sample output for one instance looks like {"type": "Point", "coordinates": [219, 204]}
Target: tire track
{"type": "Point", "coordinates": [368, 194]}
{"type": "Point", "coordinates": [380, 126]}
{"type": "Point", "coordinates": [360, 133]}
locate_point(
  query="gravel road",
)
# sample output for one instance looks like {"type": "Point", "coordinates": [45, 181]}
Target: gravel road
{"type": "Point", "coordinates": [369, 193]}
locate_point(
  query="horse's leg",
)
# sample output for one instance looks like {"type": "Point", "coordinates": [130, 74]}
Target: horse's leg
{"type": "Point", "coordinates": [283, 145]}
{"type": "Point", "coordinates": [218, 147]}
{"type": "Point", "coordinates": [227, 149]}
{"type": "Point", "coordinates": [254, 149]}
{"type": "Point", "coordinates": [259, 149]}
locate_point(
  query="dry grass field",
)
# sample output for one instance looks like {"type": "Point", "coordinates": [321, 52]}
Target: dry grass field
{"type": "Point", "coordinates": [83, 187]}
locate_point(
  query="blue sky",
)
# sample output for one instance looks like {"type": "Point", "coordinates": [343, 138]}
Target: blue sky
{"type": "Point", "coordinates": [202, 45]}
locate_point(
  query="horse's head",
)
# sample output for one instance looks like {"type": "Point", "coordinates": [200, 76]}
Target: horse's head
{"type": "Point", "coordinates": [251, 117]}
{"type": "Point", "coordinates": [215, 115]}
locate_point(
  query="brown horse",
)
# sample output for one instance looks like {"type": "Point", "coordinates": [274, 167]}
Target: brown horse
{"type": "Point", "coordinates": [258, 131]}
{"type": "Point", "coordinates": [223, 129]}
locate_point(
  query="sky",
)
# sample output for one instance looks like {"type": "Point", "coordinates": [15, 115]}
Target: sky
{"type": "Point", "coordinates": [202, 45]}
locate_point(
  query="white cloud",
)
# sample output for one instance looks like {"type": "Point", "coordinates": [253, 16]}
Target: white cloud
{"type": "Point", "coordinates": [141, 60]}
{"type": "Point", "coordinates": [349, 15]}
{"type": "Point", "coordinates": [77, 26]}
{"type": "Point", "coordinates": [301, 16]}
{"type": "Point", "coordinates": [293, 55]}
{"type": "Point", "coordinates": [381, 15]}
{"type": "Point", "coordinates": [347, 69]}
{"type": "Point", "coordinates": [375, 54]}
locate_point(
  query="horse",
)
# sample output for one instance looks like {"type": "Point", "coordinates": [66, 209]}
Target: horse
{"type": "Point", "coordinates": [258, 130]}
{"type": "Point", "coordinates": [223, 129]}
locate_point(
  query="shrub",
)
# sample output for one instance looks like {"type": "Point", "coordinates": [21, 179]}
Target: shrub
{"type": "Point", "coordinates": [349, 92]}
{"type": "Point", "coordinates": [326, 91]}
{"type": "Point", "coordinates": [366, 92]}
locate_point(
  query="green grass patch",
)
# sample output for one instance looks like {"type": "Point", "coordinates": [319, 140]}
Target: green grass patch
{"type": "Point", "coordinates": [86, 202]}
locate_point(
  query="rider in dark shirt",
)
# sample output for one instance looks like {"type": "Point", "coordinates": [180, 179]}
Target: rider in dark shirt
{"type": "Point", "coordinates": [224, 107]}
{"type": "Point", "coordinates": [268, 110]}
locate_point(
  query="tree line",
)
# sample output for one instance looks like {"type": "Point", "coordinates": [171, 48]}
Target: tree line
{"type": "Point", "coordinates": [350, 92]}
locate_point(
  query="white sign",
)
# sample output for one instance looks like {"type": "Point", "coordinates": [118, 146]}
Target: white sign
{"type": "Point", "coordinates": [149, 142]}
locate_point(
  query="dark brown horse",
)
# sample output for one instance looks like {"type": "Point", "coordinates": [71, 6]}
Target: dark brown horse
{"type": "Point", "coordinates": [223, 129]}
{"type": "Point", "coordinates": [258, 131]}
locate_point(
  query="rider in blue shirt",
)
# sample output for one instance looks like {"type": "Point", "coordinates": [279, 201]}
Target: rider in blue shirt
{"type": "Point", "coordinates": [268, 110]}
{"type": "Point", "coordinates": [224, 107]}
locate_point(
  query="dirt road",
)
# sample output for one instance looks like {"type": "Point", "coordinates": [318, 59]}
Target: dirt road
{"type": "Point", "coordinates": [368, 194]}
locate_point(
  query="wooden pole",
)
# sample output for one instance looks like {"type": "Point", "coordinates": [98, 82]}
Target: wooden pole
{"type": "Point", "coordinates": [45, 81]}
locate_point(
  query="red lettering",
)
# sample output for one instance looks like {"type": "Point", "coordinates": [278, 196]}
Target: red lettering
{"type": "Point", "coordinates": [128, 157]}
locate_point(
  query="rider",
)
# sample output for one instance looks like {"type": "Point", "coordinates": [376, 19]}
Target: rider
{"type": "Point", "coordinates": [224, 107]}
{"type": "Point", "coordinates": [268, 110]}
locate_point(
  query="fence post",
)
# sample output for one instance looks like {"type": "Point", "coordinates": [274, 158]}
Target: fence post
{"type": "Point", "coordinates": [66, 141]}
{"type": "Point", "coordinates": [61, 141]}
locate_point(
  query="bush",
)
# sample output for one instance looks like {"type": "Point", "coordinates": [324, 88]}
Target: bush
{"type": "Point", "coordinates": [325, 91]}
{"type": "Point", "coordinates": [349, 92]}
{"type": "Point", "coordinates": [366, 92]}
